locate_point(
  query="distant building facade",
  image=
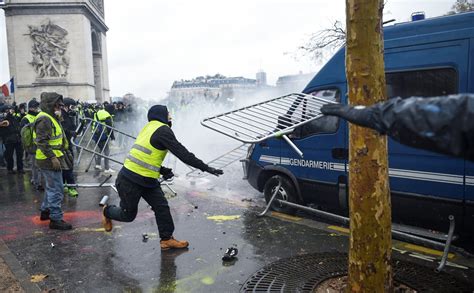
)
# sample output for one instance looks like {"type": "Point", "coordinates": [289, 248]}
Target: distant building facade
{"type": "Point", "coordinates": [261, 78]}
{"type": "Point", "coordinates": [293, 83]}
{"type": "Point", "coordinates": [211, 88]}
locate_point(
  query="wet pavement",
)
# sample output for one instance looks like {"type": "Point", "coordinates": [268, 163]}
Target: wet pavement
{"type": "Point", "coordinates": [212, 214]}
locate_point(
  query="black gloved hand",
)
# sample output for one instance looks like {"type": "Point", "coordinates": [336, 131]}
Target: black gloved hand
{"type": "Point", "coordinates": [215, 172]}
{"type": "Point", "coordinates": [167, 173]}
{"type": "Point", "coordinates": [360, 115]}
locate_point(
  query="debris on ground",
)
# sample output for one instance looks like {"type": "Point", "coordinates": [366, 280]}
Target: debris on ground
{"type": "Point", "coordinates": [145, 237]}
{"type": "Point", "coordinates": [38, 278]}
{"type": "Point", "coordinates": [230, 254]}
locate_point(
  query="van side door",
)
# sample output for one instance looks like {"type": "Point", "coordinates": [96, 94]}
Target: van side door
{"type": "Point", "coordinates": [426, 186]}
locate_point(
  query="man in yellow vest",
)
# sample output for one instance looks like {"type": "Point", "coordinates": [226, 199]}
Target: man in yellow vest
{"type": "Point", "coordinates": [139, 176]}
{"type": "Point", "coordinates": [51, 143]}
{"type": "Point", "coordinates": [100, 136]}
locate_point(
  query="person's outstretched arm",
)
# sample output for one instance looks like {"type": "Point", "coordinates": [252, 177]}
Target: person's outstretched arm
{"type": "Point", "coordinates": [164, 138]}
{"type": "Point", "coordinates": [441, 124]}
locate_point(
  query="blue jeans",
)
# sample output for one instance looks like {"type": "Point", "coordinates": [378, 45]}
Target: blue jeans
{"type": "Point", "coordinates": [53, 194]}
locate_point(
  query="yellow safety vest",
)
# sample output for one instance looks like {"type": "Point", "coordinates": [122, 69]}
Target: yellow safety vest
{"type": "Point", "coordinates": [101, 115]}
{"type": "Point", "coordinates": [143, 159]}
{"type": "Point", "coordinates": [30, 118]}
{"type": "Point", "coordinates": [56, 140]}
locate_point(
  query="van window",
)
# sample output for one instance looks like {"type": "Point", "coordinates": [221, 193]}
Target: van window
{"type": "Point", "coordinates": [326, 124]}
{"type": "Point", "coordinates": [422, 83]}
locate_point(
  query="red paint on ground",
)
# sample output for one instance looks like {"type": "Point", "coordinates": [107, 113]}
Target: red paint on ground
{"type": "Point", "coordinates": [26, 226]}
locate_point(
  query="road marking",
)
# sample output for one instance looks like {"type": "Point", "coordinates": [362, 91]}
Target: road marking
{"type": "Point", "coordinates": [425, 250]}
{"type": "Point", "coordinates": [286, 216]}
{"type": "Point", "coordinates": [339, 229]}
{"type": "Point", "coordinates": [222, 218]}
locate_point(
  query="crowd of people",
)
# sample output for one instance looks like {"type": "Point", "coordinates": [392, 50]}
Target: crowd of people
{"type": "Point", "coordinates": [44, 133]}
{"type": "Point", "coordinates": [17, 145]}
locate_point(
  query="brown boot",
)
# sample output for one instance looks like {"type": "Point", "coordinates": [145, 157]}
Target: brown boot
{"type": "Point", "coordinates": [106, 222]}
{"type": "Point", "coordinates": [173, 243]}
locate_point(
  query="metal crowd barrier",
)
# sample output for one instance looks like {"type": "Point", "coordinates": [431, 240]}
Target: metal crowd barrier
{"type": "Point", "coordinates": [404, 233]}
{"type": "Point", "coordinates": [222, 161]}
{"type": "Point", "coordinates": [273, 118]}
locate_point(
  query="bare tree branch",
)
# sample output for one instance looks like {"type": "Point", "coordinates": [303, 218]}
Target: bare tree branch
{"type": "Point", "coordinates": [326, 40]}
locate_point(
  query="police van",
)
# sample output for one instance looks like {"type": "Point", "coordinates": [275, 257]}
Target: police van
{"type": "Point", "coordinates": [431, 57]}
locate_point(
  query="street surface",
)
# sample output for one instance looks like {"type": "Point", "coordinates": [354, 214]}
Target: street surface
{"type": "Point", "coordinates": [211, 213]}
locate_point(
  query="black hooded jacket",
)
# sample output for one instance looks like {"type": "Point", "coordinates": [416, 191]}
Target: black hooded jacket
{"type": "Point", "coordinates": [164, 139]}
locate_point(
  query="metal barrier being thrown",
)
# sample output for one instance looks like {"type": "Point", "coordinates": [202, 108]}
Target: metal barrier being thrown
{"type": "Point", "coordinates": [222, 161]}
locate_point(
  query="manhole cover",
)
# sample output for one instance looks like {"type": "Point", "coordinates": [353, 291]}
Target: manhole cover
{"type": "Point", "coordinates": [303, 273]}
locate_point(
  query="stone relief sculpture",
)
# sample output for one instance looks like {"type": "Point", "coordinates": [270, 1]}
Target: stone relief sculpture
{"type": "Point", "coordinates": [99, 4]}
{"type": "Point", "coordinates": [49, 50]}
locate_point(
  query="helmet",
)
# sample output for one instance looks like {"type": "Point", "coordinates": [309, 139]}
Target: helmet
{"type": "Point", "coordinates": [33, 104]}
{"type": "Point", "coordinates": [69, 102]}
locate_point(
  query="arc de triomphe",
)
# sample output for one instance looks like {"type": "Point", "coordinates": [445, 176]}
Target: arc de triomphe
{"type": "Point", "coordinates": [57, 46]}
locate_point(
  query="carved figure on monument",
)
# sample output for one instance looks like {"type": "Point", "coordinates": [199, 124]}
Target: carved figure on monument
{"type": "Point", "coordinates": [99, 4]}
{"type": "Point", "coordinates": [49, 50]}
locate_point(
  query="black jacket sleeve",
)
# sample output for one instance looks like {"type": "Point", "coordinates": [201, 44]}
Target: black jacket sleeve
{"type": "Point", "coordinates": [164, 138]}
{"type": "Point", "coordinates": [24, 122]}
{"type": "Point", "coordinates": [439, 124]}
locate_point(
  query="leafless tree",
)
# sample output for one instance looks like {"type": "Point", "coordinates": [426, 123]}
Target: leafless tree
{"type": "Point", "coordinates": [461, 6]}
{"type": "Point", "coordinates": [325, 41]}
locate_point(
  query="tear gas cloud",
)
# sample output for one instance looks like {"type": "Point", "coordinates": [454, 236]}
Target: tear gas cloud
{"type": "Point", "coordinates": [205, 143]}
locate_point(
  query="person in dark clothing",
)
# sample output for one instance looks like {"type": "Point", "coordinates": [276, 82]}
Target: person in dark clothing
{"type": "Point", "coordinates": [101, 136]}
{"type": "Point", "coordinates": [141, 171]}
{"type": "Point", "coordinates": [21, 112]}
{"type": "Point", "coordinates": [439, 124]}
{"type": "Point", "coordinates": [68, 122]}
{"type": "Point", "coordinates": [29, 119]}
{"type": "Point", "coordinates": [3, 126]}
{"type": "Point", "coordinates": [12, 141]}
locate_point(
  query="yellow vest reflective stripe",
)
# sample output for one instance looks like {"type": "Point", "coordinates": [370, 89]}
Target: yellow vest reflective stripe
{"type": "Point", "coordinates": [30, 118]}
{"type": "Point", "coordinates": [143, 159]}
{"type": "Point", "coordinates": [56, 140]}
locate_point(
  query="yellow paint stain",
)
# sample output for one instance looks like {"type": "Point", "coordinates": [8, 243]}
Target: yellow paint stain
{"type": "Point", "coordinates": [286, 217]}
{"type": "Point", "coordinates": [339, 229]}
{"type": "Point", "coordinates": [90, 229]}
{"type": "Point", "coordinates": [222, 218]}
{"type": "Point", "coordinates": [207, 281]}
{"type": "Point", "coordinates": [425, 250]}
{"type": "Point", "coordinates": [38, 278]}
{"type": "Point", "coordinates": [38, 233]}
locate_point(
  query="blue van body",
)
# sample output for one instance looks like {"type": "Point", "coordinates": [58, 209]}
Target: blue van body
{"type": "Point", "coordinates": [429, 57]}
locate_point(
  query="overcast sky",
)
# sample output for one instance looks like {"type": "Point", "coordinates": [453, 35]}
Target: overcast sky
{"type": "Point", "coordinates": [152, 43]}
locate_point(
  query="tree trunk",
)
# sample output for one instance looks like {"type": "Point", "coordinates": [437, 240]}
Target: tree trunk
{"type": "Point", "coordinates": [369, 197]}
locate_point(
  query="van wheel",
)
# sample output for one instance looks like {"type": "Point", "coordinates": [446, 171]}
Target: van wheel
{"type": "Point", "coordinates": [286, 192]}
